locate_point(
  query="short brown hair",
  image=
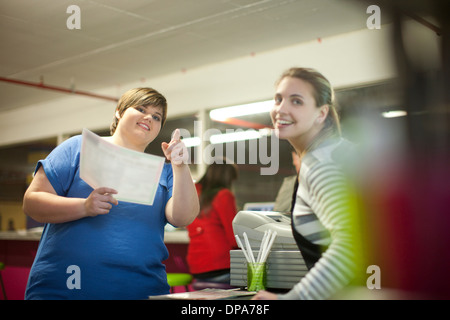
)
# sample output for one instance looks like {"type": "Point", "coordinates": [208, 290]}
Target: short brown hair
{"type": "Point", "coordinates": [140, 97]}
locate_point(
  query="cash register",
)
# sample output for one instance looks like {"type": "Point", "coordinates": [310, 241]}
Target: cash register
{"type": "Point", "coordinates": [285, 264]}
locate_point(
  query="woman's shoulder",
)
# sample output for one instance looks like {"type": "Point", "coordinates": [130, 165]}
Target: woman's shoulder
{"type": "Point", "coordinates": [67, 149]}
{"type": "Point", "coordinates": [74, 141]}
{"type": "Point", "coordinates": [329, 152]}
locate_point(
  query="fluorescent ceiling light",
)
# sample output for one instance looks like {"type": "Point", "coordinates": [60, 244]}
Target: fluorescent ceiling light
{"type": "Point", "coordinates": [238, 136]}
{"type": "Point", "coordinates": [235, 136]}
{"type": "Point", "coordinates": [229, 137]}
{"type": "Point", "coordinates": [192, 142]}
{"type": "Point", "coordinates": [221, 114]}
{"type": "Point", "coordinates": [394, 114]}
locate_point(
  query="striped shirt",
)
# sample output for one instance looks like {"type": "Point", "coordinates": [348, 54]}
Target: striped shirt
{"type": "Point", "coordinates": [322, 215]}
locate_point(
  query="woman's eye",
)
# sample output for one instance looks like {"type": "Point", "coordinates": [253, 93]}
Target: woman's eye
{"type": "Point", "coordinates": [156, 118]}
{"type": "Point", "coordinates": [297, 102]}
{"type": "Point", "coordinates": [277, 100]}
{"type": "Point", "coordinates": [140, 109]}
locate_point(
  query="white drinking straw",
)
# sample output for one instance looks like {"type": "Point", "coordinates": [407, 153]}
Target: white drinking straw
{"type": "Point", "coordinates": [249, 248]}
{"type": "Point", "coordinates": [242, 248]}
{"type": "Point", "coordinates": [264, 244]}
{"type": "Point", "coordinates": [268, 247]}
{"type": "Point", "coordinates": [258, 259]}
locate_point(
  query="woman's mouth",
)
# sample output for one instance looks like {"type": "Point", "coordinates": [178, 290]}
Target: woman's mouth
{"type": "Point", "coordinates": [283, 123]}
{"type": "Point", "coordinates": [143, 126]}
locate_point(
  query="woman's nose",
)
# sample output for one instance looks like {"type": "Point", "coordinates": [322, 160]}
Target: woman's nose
{"type": "Point", "coordinates": [280, 107]}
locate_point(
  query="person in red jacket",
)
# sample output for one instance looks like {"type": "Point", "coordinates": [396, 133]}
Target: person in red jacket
{"type": "Point", "coordinates": [211, 234]}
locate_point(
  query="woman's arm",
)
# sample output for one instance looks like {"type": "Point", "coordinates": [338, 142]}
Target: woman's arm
{"type": "Point", "coordinates": [41, 202]}
{"type": "Point", "coordinates": [184, 206]}
{"type": "Point", "coordinates": [333, 205]}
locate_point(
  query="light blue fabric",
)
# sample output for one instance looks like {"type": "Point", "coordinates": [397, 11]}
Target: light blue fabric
{"type": "Point", "coordinates": [119, 255]}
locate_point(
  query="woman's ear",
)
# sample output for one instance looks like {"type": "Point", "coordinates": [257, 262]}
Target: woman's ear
{"type": "Point", "coordinates": [323, 114]}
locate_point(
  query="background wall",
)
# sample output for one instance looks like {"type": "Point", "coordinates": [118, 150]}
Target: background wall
{"type": "Point", "coordinates": [350, 59]}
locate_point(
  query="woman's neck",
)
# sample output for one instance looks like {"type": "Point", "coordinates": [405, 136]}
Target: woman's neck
{"type": "Point", "coordinates": [303, 142]}
{"type": "Point", "coordinates": [123, 142]}
{"type": "Point", "coordinates": [306, 145]}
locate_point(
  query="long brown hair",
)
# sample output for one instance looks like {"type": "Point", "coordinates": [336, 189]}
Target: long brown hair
{"type": "Point", "coordinates": [218, 176]}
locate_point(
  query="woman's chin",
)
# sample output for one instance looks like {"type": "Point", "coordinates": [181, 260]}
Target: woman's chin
{"type": "Point", "coordinates": [281, 134]}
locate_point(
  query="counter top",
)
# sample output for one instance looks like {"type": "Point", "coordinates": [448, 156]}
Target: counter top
{"type": "Point", "coordinates": [21, 235]}
{"type": "Point", "coordinates": [178, 236]}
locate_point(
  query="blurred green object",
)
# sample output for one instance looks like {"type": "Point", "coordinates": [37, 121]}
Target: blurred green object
{"type": "Point", "coordinates": [179, 279]}
{"type": "Point", "coordinates": [256, 276]}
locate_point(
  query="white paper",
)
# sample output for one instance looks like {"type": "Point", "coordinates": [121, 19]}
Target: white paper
{"type": "Point", "coordinates": [134, 175]}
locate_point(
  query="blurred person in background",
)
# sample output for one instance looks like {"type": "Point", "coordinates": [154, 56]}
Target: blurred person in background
{"type": "Point", "coordinates": [211, 234]}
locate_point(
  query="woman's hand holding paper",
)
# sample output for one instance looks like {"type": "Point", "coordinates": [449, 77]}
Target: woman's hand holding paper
{"type": "Point", "coordinates": [100, 201]}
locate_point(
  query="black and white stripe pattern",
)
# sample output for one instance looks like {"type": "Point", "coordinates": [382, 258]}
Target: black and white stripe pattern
{"type": "Point", "coordinates": [322, 215]}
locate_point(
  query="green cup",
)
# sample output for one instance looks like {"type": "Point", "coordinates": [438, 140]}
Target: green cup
{"type": "Point", "coordinates": [256, 276]}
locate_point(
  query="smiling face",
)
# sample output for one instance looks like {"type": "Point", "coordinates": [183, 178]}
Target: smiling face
{"type": "Point", "coordinates": [295, 115]}
{"type": "Point", "coordinates": [138, 126]}
{"type": "Point", "coordinates": [139, 116]}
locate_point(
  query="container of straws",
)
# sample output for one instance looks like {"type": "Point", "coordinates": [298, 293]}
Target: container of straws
{"type": "Point", "coordinates": [257, 268]}
{"type": "Point", "coordinates": [256, 276]}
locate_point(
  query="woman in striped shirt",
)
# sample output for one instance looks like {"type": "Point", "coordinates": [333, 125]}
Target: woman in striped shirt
{"type": "Point", "coordinates": [323, 214]}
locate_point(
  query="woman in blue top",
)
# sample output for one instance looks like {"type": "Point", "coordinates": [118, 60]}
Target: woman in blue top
{"type": "Point", "coordinates": [92, 246]}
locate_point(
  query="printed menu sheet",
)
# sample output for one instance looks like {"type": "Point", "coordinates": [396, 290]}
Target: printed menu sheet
{"type": "Point", "coordinates": [135, 175]}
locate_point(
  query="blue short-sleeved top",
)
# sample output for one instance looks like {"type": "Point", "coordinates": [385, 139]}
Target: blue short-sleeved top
{"type": "Point", "coordinates": [114, 256]}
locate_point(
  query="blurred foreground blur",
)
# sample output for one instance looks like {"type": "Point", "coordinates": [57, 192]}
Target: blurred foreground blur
{"type": "Point", "coordinates": [403, 174]}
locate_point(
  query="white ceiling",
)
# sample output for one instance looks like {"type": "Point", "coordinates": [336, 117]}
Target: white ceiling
{"type": "Point", "coordinates": [126, 41]}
